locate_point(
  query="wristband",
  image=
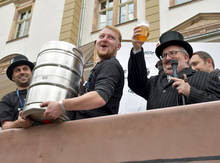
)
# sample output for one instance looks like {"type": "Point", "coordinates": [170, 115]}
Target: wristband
{"type": "Point", "coordinates": [61, 105]}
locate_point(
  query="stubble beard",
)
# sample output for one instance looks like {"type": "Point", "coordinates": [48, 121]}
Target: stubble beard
{"type": "Point", "coordinates": [23, 84]}
{"type": "Point", "coordinates": [106, 55]}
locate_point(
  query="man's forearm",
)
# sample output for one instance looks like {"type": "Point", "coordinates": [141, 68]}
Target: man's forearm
{"type": "Point", "coordinates": [88, 101]}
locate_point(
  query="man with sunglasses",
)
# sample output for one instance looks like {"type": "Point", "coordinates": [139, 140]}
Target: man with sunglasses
{"type": "Point", "coordinates": [165, 90]}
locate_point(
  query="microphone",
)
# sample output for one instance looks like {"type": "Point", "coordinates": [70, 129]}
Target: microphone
{"type": "Point", "coordinates": [174, 64]}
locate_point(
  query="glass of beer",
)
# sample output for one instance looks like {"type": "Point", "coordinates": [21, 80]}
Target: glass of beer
{"type": "Point", "coordinates": [144, 32]}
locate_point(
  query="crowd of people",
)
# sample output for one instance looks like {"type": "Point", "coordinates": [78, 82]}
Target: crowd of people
{"type": "Point", "coordinates": [194, 80]}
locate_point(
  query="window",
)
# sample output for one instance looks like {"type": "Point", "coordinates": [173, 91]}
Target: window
{"type": "Point", "coordinates": [126, 10]}
{"type": "Point", "coordinates": [22, 24]}
{"type": "Point", "coordinates": [112, 12]}
{"type": "Point", "coordinates": [178, 2]}
{"type": "Point", "coordinates": [22, 19]}
{"type": "Point", "coordinates": [105, 13]}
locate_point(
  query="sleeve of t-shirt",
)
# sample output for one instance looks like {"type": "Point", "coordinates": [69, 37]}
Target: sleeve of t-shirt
{"type": "Point", "coordinates": [107, 80]}
{"type": "Point", "coordinates": [5, 110]}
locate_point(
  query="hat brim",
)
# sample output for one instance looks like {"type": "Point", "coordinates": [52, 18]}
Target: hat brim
{"type": "Point", "coordinates": [183, 44]}
{"type": "Point", "coordinates": [9, 71]}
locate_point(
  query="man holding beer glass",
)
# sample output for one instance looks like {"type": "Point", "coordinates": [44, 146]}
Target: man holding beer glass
{"type": "Point", "coordinates": [165, 90]}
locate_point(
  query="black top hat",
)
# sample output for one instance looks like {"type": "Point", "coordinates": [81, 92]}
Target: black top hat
{"type": "Point", "coordinates": [17, 61]}
{"type": "Point", "coordinates": [173, 38]}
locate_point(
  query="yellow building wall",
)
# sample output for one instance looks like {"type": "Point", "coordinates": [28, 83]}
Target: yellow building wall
{"type": "Point", "coordinates": [153, 16]}
{"type": "Point", "coordinates": [70, 22]}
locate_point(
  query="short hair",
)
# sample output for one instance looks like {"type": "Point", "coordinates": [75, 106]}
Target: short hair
{"type": "Point", "coordinates": [204, 56]}
{"type": "Point", "coordinates": [115, 30]}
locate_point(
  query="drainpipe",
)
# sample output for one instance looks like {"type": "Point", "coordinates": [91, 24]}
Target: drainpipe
{"type": "Point", "coordinates": [79, 41]}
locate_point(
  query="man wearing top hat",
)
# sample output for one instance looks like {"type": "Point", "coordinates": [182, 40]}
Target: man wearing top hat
{"type": "Point", "coordinates": [20, 72]}
{"type": "Point", "coordinates": [164, 90]}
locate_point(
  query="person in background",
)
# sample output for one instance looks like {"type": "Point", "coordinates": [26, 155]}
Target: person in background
{"type": "Point", "coordinates": [202, 61]}
{"type": "Point", "coordinates": [20, 72]}
{"type": "Point", "coordinates": [159, 66]}
{"type": "Point", "coordinates": [104, 87]}
{"type": "Point", "coordinates": [165, 90]}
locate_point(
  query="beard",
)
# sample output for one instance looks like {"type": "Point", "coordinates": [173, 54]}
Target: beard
{"type": "Point", "coordinates": [106, 55]}
{"type": "Point", "coordinates": [23, 83]}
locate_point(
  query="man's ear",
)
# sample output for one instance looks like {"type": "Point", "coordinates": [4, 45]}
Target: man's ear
{"type": "Point", "coordinates": [209, 61]}
{"type": "Point", "coordinates": [187, 57]}
{"type": "Point", "coordinates": [119, 46]}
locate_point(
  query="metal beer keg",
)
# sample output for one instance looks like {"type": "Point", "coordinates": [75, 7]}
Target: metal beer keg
{"type": "Point", "coordinates": [56, 76]}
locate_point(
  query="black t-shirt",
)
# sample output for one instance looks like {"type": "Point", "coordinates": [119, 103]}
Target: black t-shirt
{"type": "Point", "coordinates": [9, 105]}
{"type": "Point", "coordinates": [107, 79]}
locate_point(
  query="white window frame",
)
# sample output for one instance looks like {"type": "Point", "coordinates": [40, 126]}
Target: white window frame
{"type": "Point", "coordinates": [23, 23]}
{"type": "Point", "coordinates": [21, 7]}
{"type": "Point", "coordinates": [126, 5]}
{"type": "Point", "coordinates": [174, 3]}
{"type": "Point", "coordinates": [106, 10]}
{"type": "Point", "coordinates": [114, 20]}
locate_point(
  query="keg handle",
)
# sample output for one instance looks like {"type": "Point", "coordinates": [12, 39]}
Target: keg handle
{"type": "Point", "coordinates": [76, 50]}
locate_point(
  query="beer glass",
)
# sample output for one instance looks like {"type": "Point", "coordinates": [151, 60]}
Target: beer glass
{"type": "Point", "coordinates": [144, 31]}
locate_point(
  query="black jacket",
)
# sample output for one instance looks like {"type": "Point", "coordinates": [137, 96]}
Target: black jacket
{"type": "Point", "coordinates": [9, 106]}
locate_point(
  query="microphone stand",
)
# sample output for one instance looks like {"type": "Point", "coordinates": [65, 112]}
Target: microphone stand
{"type": "Point", "coordinates": [174, 64]}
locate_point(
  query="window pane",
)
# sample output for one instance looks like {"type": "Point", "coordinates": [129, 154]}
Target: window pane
{"type": "Point", "coordinates": [22, 16]}
{"type": "Point", "coordinates": [122, 17]}
{"type": "Point", "coordinates": [177, 2]}
{"type": "Point", "coordinates": [102, 20]}
{"type": "Point", "coordinates": [103, 5]}
{"type": "Point", "coordinates": [26, 28]}
{"type": "Point", "coordinates": [19, 31]}
{"type": "Point", "coordinates": [109, 17]}
{"type": "Point", "coordinates": [123, 1]}
{"type": "Point", "coordinates": [29, 14]}
{"type": "Point", "coordinates": [110, 3]}
{"type": "Point", "coordinates": [131, 11]}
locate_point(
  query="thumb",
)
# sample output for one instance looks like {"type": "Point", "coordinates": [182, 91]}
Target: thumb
{"type": "Point", "coordinates": [20, 114]}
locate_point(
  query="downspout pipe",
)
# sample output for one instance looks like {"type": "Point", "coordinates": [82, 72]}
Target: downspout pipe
{"type": "Point", "coordinates": [81, 23]}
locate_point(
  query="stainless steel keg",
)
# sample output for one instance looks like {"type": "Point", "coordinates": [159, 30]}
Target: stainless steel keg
{"type": "Point", "coordinates": [56, 76]}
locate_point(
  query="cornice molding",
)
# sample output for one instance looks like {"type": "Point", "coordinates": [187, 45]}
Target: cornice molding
{"type": "Point", "coordinates": [5, 2]}
{"type": "Point", "coordinates": [20, 3]}
{"type": "Point", "coordinates": [199, 24]}
{"type": "Point", "coordinates": [16, 2]}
